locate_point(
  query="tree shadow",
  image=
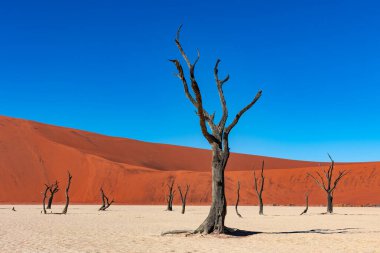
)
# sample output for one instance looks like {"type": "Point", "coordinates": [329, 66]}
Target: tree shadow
{"type": "Point", "coordinates": [243, 233]}
{"type": "Point", "coordinates": [317, 231]}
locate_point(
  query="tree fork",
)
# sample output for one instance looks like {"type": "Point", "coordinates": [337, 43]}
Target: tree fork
{"type": "Point", "coordinates": [183, 197]}
{"type": "Point", "coordinates": [53, 190]}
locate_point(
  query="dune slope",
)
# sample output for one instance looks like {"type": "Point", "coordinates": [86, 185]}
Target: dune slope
{"type": "Point", "coordinates": [135, 172]}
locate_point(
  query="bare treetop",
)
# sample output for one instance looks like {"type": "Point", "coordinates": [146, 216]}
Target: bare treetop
{"type": "Point", "coordinates": [327, 183]}
{"type": "Point", "coordinates": [205, 117]}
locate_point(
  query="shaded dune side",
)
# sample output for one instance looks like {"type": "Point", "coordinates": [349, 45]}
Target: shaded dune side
{"type": "Point", "coordinates": [134, 172]}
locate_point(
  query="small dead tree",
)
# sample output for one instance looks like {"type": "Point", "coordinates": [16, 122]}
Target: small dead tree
{"type": "Point", "coordinates": [329, 185]}
{"type": "Point", "coordinates": [259, 193]}
{"type": "Point", "coordinates": [183, 197]}
{"type": "Point", "coordinates": [105, 201]}
{"type": "Point", "coordinates": [170, 196]}
{"type": "Point", "coordinates": [53, 189]}
{"type": "Point", "coordinates": [237, 199]}
{"type": "Point", "coordinates": [44, 198]}
{"type": "Point", "coordinates": [217, 135]}
{"type": "Point", "coordinates": [307, 203]}
{"type": "Point", "coordinates": [67, 193]}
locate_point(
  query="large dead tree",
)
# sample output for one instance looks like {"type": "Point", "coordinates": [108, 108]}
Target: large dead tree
{"type": "Point", "coordinates": [306, 203]}
{"type": "Point", "coordinates": [53, 189]}
{"type": "Point", "coordinates": [259, 192]}
{"type": "Point", "coordinates": [217, 135]}
{"type": "Point", "coordinates": [105, 201]}
{"type": "Point", "coordinates": [327, 183]}
{"type": "Point", "coordinates": [237, 199]}
{"type": "Point", "coordinates": [44, 198]}
{"type": "Point", "coordinates": [170, 196]}
{"type": "Point", "coordinates": [67, 193]}
{"type": "Point", "coordinates": [183, 197]}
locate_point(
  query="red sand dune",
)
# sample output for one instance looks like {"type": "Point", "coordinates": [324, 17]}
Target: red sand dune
{"type": "Point", "coordinates": [135, 172]}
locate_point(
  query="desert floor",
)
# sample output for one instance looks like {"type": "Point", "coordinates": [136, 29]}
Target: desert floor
{"type": "Point", "coordinates": [139, 228]}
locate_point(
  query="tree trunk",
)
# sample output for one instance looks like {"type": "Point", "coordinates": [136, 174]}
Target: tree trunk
{"type": "Point", "coordinates": [67, 194]}
{"type": "Point", "coordinates": [170, 205]}
{"type": "Point", "coordinates": [237, 199]}
{"type": "Point", "coordinates": [215, 219]}
{"type": "Point", "coordinates": [103, 200]}
{"type": "Point", "coordinates": [50, 201]}
{"type": "Point", "coordinates": [329, 203]}
{"type": "Point", "coordinates": [261, 211]}
{"type": "Point", "coordinates": [44, 199]}
{"type": "Point", "coordinates": [170, 196]}
{"type": "Point", "coordinates": [307, 204]}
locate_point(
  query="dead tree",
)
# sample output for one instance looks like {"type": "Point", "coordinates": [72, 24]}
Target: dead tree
{"type": "Point", "coordinates": [259, 193]}
{"type": "Point", "coordinates": [237, 199]}
{"type": "Point", "coordinates": [307, 203]}
{"type": "Point", "coordinates": [170, 197]}
{"type": "Point", "coordinates": [217, 135]}
{"type": "Point", "coordinates": [53, 189]}
{"type": "Point", "coordinates": [329, 185]}
{"type": "Point", "coordinates": [183, 197]}
{"type": "Point", "coordinates": [44, 198]}
{"type": "Point", "coordinates": [67, 193]}
{"type": "Point", "coordinates": [105, 201]}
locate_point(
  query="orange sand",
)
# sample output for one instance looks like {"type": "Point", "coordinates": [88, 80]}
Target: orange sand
{"type": "Point", "coordinates": [135, 172]}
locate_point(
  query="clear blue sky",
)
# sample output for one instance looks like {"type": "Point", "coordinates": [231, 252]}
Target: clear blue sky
{"type": "Point", "coordinates": [103, 66]}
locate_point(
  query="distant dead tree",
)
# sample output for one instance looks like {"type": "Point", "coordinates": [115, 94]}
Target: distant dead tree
{"type": "Point", "coordinates": [330, 185]}
{"type": "Point", "coordinates": [67, 193]}
{"type": "Point", "coordinates": [170, 196]}
{"type": "Point", "coordinates": [259, 193]}
{"type": "Point", "coordinates": [217, 135]}
{"type": "Point", "coordinates": [44, 198]}
{"type": "Point", "coordinates": [53, 189]}
{"type": "Point", "coordinates": [105, 201]}
{"type": "Point", "coordinates": [307, 203]}
{"type": "Point", "coordinates": [237, 199]}
{"type": "Point", "coordinates": [183, 197]}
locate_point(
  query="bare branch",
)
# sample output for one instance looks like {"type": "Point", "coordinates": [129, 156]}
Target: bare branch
{"type": "Point", "coordinates": [262, 178]}
{"type": "Point", "coordinates": [180, 47]}
{"type": "Point", "coordinates": [219, 84]}
{"type": "Point", "coordinates": [316, 181]}
{"type": "Point", "coordinates": [322, 180]}
{"type": "Point", "coordinates": [197, 102]}
{"type": "Point", "coordinates": [255, 180]}
{"type": "Point", "coordinates": [340, 176]}
{"type": "Point", "coordinates": [237, 117]}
